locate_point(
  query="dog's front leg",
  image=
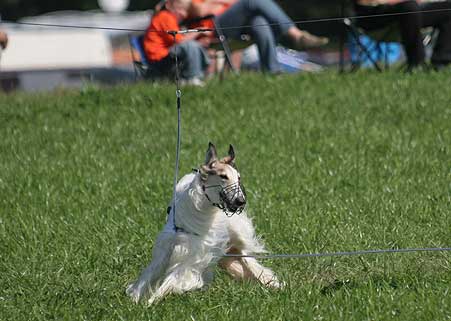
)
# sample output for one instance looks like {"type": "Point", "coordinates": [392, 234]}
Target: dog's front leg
{"type": "Point", "coordinates": [263, 274]}
{"type": "Point", "coordinates": [244, 241]}
{"type": "Point", "coordinates": [248, 268]}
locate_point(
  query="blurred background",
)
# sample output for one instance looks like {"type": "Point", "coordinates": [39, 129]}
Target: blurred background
{"type": "Point", "coordinates": [16, 9]}
{"type": "Point", "coordinates": [43, 58]}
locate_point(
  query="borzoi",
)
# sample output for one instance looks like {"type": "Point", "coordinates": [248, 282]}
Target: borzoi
{"type": "Point", "coordinates": [206, 221]}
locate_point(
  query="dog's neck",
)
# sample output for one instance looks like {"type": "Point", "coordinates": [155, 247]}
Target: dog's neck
{"type": "Point", "coordinates": [199, 197]}
{"type": "Point", "coordinates": [198, 215]}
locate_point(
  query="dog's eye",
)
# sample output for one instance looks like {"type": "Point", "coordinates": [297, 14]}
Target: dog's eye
{"type": "Point", "coordinates": [224, 177]}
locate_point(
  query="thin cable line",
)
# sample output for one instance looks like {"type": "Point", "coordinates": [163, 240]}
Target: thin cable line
{"type": "Point", "coordinates": [298, 22]}
{"type": "Point", "coordinates": [347, 253]}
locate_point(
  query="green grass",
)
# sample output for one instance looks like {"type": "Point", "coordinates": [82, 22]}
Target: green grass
{"type": "Point", "coordinates": [330, 163]}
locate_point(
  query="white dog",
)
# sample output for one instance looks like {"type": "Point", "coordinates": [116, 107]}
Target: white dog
{"type": "Point", "coordinates": [200, 231]}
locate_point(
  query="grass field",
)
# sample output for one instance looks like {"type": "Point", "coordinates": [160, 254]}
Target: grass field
{"type": "Point", "coordinates": [330, 163]}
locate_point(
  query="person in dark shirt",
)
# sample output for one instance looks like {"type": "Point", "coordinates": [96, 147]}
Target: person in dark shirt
{"type": "Point", "coordinates": [411, 16]}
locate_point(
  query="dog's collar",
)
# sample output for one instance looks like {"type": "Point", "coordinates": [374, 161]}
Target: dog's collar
{"type": "Point", "coordinates": [182, 230]}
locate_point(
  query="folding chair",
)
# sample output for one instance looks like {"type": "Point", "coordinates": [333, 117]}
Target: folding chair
{"type": "Point", "coordinates": [140, 63]}
{"type": "Point", "coordinates": [375, 48]}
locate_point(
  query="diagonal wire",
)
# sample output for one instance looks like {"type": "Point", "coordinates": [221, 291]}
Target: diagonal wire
{"type": "Point", "coordinates": [297, 22]}
{"type": "Point", "coordinates": [347, 253]}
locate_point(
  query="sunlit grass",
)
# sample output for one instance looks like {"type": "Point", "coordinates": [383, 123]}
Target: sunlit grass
{"type": "Point", "coordinates": [330, 163]}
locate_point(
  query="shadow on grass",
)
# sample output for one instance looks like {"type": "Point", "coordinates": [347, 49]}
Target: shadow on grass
{"type": "Point", "coordinates": [375, 281]}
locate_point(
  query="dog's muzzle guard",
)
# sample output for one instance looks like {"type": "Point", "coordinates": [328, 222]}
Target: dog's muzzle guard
{"type": "Point", "coordinates": [232, 198]}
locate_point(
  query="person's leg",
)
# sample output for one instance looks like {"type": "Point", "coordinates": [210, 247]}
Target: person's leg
{"type": "Point", "coordinates": [244, 11]}
{"type": "Point", "coordinates": [442, 21]}
{"type": "Point", "coordinates": [266, 43]}
{"type": "Point", "coordinates": [193, 58]}
{"type": "Point", "coordinates": [409, 26]}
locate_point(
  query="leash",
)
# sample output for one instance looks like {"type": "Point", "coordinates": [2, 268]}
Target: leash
{"type": "Point", "coordinates": [347, 253]}
{"type": "Point", "coordinates": [178, 94]}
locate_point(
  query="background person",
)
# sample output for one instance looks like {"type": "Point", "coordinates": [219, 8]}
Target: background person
{"type": "Point", "coordinates": [267, 23]}
{"type": "Point", "coordinates": [410, 26]}
{"type": "Point", "coordinates": [3, 42]}
{"type": "Point", "coordinates": [160, 48]}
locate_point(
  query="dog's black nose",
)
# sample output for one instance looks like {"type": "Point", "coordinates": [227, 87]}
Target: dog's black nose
{"type": "Point", "coordinates": [240, 201]}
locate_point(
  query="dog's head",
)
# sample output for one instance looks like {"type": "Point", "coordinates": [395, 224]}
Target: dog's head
{"type": "Point", "coordinates": [221, 181]}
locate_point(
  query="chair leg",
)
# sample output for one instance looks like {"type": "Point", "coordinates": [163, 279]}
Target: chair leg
{"type": "Point", "coordinates": [225, 47]}
{"type": "Point", "coordinates": [132, 56]}
{"type": "Point", "coordinates": [386, 54]}
{"type": "Point", "coordinates": [355, 34]}
{"type": "Point", "coordinates": [342, 50]}
{"type": "Point", "coordinates": [342, 37]}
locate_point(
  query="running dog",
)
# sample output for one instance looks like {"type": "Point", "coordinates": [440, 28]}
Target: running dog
{"type": "Point", "coordinates": [206, 220]}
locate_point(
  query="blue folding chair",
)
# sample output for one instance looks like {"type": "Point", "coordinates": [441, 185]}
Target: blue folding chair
{"type": "Point", "coordinates": [140, 64]}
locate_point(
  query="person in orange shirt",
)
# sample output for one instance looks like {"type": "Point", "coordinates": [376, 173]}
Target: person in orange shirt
{"type": "Point", "coordinates": [411, 16]}
{"type": "Point", "coordinates": [263, 19]}
{"type": "Point", "coordinates": [161, 49]}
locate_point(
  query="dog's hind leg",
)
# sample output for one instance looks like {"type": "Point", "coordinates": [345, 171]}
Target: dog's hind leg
{"type": "Point", "coordinates": [166, 287]}
{"type": "Point", "coordinates": [180, 280]}
{"type": "Point", "coordinates": [156, 270]}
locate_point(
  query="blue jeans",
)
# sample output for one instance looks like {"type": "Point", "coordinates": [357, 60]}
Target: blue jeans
{"type": "Point", "coordinates": [255, 17]}
{"type": "Point", "coordinates": [192, 57]}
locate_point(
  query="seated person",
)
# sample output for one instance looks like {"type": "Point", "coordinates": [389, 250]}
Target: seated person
{"type": "Point", "coordinates": [410, 26]}
{"type": "Point", "coordinates": [160, 48]}
{"type": "Point", "coordinates": [263, 19]}
{"type": "Point", "coordinates": [3, 40]}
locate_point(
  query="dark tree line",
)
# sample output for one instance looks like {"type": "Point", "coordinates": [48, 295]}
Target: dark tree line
{"type": "Point", "coordinates": [297, 9]}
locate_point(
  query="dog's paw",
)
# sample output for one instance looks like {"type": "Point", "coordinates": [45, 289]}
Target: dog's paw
{"type": "Point", "coordinates": [133, 292]}
{"type": "Point", "coordinates": [272, 282]}
{"type": "Point", "coordinates": [275, 284]}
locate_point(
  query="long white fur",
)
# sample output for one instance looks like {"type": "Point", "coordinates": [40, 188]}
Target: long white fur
{"type": "Point", "coordinates": [182, 261]}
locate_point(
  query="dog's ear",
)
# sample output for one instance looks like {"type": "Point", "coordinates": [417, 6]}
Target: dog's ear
{"type": "Point", "coordinates": [229, 159]}
{"type": "Point", "coordinates": [211, 154]}
{"type": "Point", "coordinates": [208, 169]}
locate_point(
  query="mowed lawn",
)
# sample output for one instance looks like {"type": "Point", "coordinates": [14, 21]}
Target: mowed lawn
{"type": "Point", "coordinates": [330, 163]}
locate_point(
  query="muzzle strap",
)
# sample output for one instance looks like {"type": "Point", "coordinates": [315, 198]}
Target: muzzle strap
{"type": "Point", "coordinates": [208, 198]}
{"type": "Point", "coordinates": [227, 195]}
